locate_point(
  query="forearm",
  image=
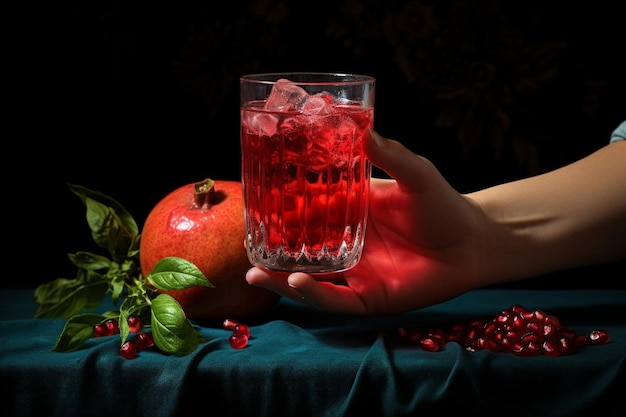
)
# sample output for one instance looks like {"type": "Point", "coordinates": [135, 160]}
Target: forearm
{"type": "Point", "coordinates": [573, 216]}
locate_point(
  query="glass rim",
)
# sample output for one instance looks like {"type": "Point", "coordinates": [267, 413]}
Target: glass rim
{"type": "Point", "coordinates": [335, 78]}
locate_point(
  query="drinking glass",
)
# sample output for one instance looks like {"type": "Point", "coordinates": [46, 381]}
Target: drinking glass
{"type": "Point", "coordinates": [305, 177]}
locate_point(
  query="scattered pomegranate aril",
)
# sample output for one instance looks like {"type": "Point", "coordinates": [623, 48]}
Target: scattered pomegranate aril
{"type": "Point", "coordinates": [242, 329]}
{"type": "Point", "coordinates": [402, 334]}
{"type": "Point", "coordinates": [128, 350]}
{"type": "Point", "coordinates": [230, 324]}
{"type": "Point", "coordinates": [599, 337]}
{"type": "Point", "coordinates": [238, 340]}
{"type": "Point", "coordinates": [144, 340]}
{"type": "Point", "coordinates": [134, 324]}
{"type": "Point", "coordinates": [112, 327]}
{"type": "Point", "coordinates": [100, 330]}
{"type": "Point", "coordinates": [516, 330]}
{"type": "Point", "coordinates": [580, 340]}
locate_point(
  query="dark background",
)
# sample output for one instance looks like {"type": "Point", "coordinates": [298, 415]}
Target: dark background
{"type": "Point", "coordinates": [134, 99]}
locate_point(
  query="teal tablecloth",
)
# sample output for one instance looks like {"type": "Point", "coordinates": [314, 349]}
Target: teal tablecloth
{"type": "Point", "coordinates": [301, 362]}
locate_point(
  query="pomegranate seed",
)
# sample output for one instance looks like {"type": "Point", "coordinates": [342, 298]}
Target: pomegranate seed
{"type": "Point", "coordinates": [518, 321]}
{"type": "Point", "coordinates": [134, 324]}
{"type": "Point", "coordinates": [480, 343]}
{"type": "Point", "coordinates": [229, 324]}
{"type": "Point", "coordinates": [599, 337]}
{"type": "Point", "coordinates": [490, 327]}
{"type": "Point", "coordinates": [473, 334]}
{"type": "Point", "coordinates": [402, 334]}
{"type": "Point", "coordinates": [551, 348]}
{"type": "Point", "coordinates": [430, 344]}
{"type": "Point", "coordinates": [530, 337]}
{"type": "Point", "coordinates": [549, 330]}
{"type": "Point", "coordinates": [477, 323]}
{"type": "Point", "coordinates": [539, 315]}
{"type": "Point", "coordinates": [493, 345]}
{"type": "Point", "coordinates": [532, 326]}
{"type": "Point", "coordinates": [517, 308]}
{"type": "Point", "coordinates": [512, 334]}
{"type": "Point", "coordinates": [144, 340]}
{"type": "Point", "coordinates": [100, 330]}
{"type": "Point", "coordinates": [506, 344]}
{"type": "Point", "coordinates": [415, 336]}
{"type": "Point", "coordinates": [455, 336]}
{"type": "Point", "coordinates": [406, 335]}
{"type": "Point", "coordinates": [566, 346]}
{"type": "Point", "coordinates": [128, 350]}
{"type": "Point", "coordinates": [580, 340]}
{"type": "Point", "coordinates": [534, 348]}
{"type": "Point", "coordinates": [553, 320]}
{"type": "Point", "coordinates": [458, 328]}
{"type": "Point", "coordinates": [238, 340]}
{"type": "Point", "coordinates": [242, 329]}
{"type": "Point", "coordinates": [112, 327]}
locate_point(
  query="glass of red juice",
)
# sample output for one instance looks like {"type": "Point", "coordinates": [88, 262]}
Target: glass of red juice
{"type": "Point", "coordinates": [304, 175]}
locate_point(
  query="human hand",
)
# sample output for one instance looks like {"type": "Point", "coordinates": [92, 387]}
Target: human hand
{"type": "Point", "coordinates": [419, 244]}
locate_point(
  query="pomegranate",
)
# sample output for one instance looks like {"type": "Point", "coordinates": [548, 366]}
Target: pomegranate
{"type": "Point", "coordinates": [203, 223]}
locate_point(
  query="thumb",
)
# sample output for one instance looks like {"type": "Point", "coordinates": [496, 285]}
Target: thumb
{"type": "Point", "coordinates": [411, 171]}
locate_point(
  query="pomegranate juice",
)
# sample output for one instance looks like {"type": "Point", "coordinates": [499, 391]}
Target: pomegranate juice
{"type": "Point", "coordinates": [305, 183]}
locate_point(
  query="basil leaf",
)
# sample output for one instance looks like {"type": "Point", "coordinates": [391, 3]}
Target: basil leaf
{"type": "Point", "coordinates": [116, 286]}
{"type": "Point", "coordinates": [173, 273]}
{"type": "Point", "coordinates": [54, 291]}
{"type": "Point", "coordinates": [112, 227]}
{"type": "Point", "coordinates": [90, 261]}
{"type": "Point", "coordinates": [69, 300]}
{"type": "Point", "coordinates": [76, 331]}
{"type": "Point", "coordinates": [171, 330]}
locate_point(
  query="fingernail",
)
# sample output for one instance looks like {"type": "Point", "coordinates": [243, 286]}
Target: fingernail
{"type": "Point", "coordinates": [378, 140]}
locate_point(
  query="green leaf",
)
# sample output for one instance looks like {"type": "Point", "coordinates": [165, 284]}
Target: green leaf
{"type": "Point", "coordinates": [77, 330]}
{"type": "Point", "coordinates": [110, 315]}
{"type": "Point", "coordinates": [171, 330]}
{"type": "Point", "coordinates": [53, 291]}
{"type": "Point", "coordinates": [112, 227]}
{"type": "Point", "coordinates": [116, 287]}
{"type": "Point", "coordinates": [63, 298]}
{"type": "Point", "coordinates": [87, 260]}
{"type": "Point", "coordinates": [173, 273]}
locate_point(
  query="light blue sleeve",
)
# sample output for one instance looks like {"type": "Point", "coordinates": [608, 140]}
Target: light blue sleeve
{"type": "Point", "coordinates": [619, 133]}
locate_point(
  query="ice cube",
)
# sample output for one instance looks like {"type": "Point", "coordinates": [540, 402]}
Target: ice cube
{"type": "Point", "coordinates": [318, 104]}
{"type": "Point", "coordinates": [262, 123]}
{"type": "Point", "coordinates": [285, 97]}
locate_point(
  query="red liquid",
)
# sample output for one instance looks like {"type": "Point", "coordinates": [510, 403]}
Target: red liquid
{"type": "Point", "coordinates": [306, 187]}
